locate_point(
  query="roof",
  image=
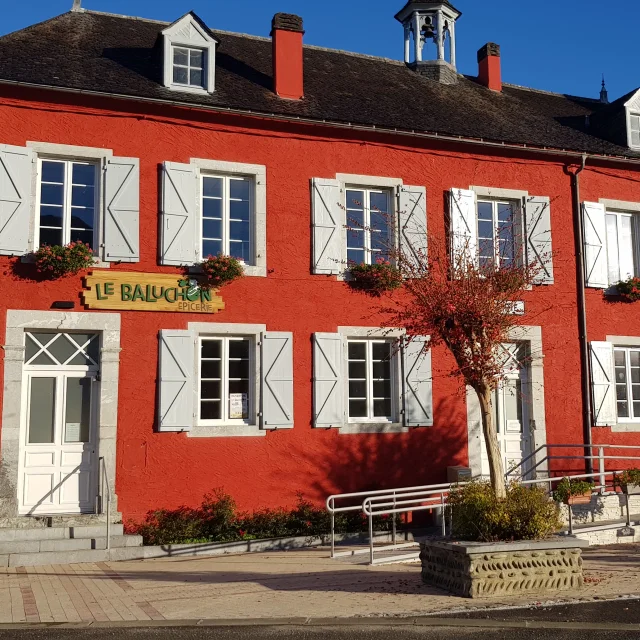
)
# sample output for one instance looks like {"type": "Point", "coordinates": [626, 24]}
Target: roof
{"type": "Point", "coordinates": [104, 53]}
{"type": "Point", "coordinates": [410, 3]}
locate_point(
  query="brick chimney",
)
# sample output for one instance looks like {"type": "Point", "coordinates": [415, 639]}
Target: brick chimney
{"type": "Point", "coordinates": [287, 32]}
{"type": "Point", "coordinates": [489, 73]}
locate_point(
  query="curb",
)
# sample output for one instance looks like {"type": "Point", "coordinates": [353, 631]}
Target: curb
{"type": "Point", "coordinates": [432, 620]}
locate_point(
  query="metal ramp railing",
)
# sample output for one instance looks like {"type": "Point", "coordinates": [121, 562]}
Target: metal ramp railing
{"type": "Point", "coordinates": [434, 497]}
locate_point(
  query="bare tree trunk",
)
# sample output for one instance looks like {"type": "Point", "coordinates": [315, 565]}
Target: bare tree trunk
{"type": "Point", "coordinates": [494, 454]}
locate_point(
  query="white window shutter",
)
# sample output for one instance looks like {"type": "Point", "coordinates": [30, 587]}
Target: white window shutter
{"type": "Point", "coordinates": [328, 385]}
{"type": "Point", "coordinates": [417, 383]}
{"type": "Point", "coordinates": [412, 224]}
{"type": "Point", "coordinates": [329, 220]}
{"type": "Point", "coordinates": [603, 384]}
{"type": "Point", "coordinates": [176, 388]}
{"type": "Point", "coordinates": [179, 214]}
{"type": "Point", "coordinates": [537, 214]}
{"type": "Point", "coordinates": [463, 229]}
{"type": "Point", "coordinates": [122, 210]}
{"type": "Point", "coordinates": [16, 171]}
{"type": "Point", "coordinates": [277, 380]}
{"type": "Point", "coordinates": [594, 224]}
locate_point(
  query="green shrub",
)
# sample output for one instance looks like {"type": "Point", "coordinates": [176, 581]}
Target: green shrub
{"type": "Point", "coordinates": [217, 520]}
{"type": "Point", "coordinates": [526, 513]}
{"type": "Point", "coordinates": [568, 487]}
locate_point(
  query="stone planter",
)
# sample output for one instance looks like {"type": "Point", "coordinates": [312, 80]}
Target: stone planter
{"type": "Point", "coordinates": [482, 570]}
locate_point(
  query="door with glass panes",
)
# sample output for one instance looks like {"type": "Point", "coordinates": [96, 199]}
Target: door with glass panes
{"type": "Point", "coordinates": [511, 414]}
{"type": "Point", "coordinates": [58, 453]}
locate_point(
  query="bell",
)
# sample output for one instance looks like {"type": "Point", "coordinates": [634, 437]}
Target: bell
{"type": "Point", "coordinates": [428, 30]}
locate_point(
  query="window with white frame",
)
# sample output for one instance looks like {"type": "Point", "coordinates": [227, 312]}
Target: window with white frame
{"type": "Point", "coordinates": [498, 221]}
{"type": "Point", "coordinates": [67, 202]}
{"type": "Point", "coordinates": [634, 125]}
{"type": "Point", "coordinates": [189, 66]}
{"type": "Point", "coordinates": [227, 210]}
{"type": "Point", "coordinates": [226, 373]}
{"type": "Point", "coordinates": [371, 381]}
{"type": "Point", "coordinates": [368, 213]}
{"type": "Point", "coordinates": [622, 245]}
{"type": "Point", "coordinates": [627, 372]}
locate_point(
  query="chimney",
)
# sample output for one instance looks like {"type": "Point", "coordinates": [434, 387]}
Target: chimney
{"type": "Point", "coordinates": [489, 73]}
{"type": "Point", "coordinates": [287, 32]}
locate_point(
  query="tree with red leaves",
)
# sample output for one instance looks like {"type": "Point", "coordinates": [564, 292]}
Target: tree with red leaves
{"type": "Point", "coordinates": [471, 310]}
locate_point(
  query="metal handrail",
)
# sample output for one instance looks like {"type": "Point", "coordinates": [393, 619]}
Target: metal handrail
{"type": "Point", "coordinates": [105, 485]}
{"type": "Point", "coordinates": [434, 497]}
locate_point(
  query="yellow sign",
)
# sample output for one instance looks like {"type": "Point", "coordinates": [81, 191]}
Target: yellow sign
{"type": "Point", "coordinates": [148, 292]}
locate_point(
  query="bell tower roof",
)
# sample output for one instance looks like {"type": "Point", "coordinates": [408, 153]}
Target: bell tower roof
{"type": "Point", "coordinates": [421, 5]}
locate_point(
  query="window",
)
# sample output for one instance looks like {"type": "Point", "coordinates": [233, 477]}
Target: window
{"type": "Point", "coordinates": [226, 380]}
{"type": "Point", "coordinates": [67, 193]}
{"type": "Point", "coordinates": [497, 232]}
{"type": "Point", "coordinates": [189, 66]}
{"type": "Point", "coordinates": [226, 217]}
{"type": "Point", "coordinates": [371, 364]}
{"type": "Point", "coordinates": [627, 371]}
{"type": "Point", "coordinates": [621, 246]}
{"type": "Point", "coordinates": [368, 216]}
{"type": "Point", "coordinates": [634, 124]}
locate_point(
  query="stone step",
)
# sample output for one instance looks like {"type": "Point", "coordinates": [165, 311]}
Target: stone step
{"type": "Point", "coordinates": [59, 533]}
{"type": "Point", "coordinates": [68, 544]}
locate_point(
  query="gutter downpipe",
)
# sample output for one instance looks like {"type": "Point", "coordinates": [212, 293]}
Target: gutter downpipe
{"type": "Point", "coordinates": [585, 365]}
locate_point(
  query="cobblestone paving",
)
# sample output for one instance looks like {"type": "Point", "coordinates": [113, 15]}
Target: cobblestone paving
{"type": "Point", "coordinates": [269, 585]}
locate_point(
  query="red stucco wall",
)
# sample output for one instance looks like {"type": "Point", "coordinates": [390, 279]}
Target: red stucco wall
{"type": "Point", "coordinates": [156, 470]}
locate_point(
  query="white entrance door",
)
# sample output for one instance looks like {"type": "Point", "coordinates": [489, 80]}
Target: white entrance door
{"type": "Point", "coordinates": [511, 414]}
{"type": "Point", "coordinates": [57, 471]}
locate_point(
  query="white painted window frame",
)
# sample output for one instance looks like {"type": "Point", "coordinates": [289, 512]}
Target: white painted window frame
{"type": "Point", "coordinates": [173, 37]}
{"type": "Point", "coordinates": [70, 153]}
{"type": "Point", "coordinates": [373, 426]}
{"type": "Point", "coordinates": [518, 241]}
{"type": "Point", "coordinates": [624, 208]}
{"type": "Point", "coordinates": [66, 208]}
{"type": "Point", "coordinates": [258, 237]}
{"type": "Point", "coordinates": [624, 425]}
{"type": "Point", "coordinates": [395, 395]}
{"type": "Point", "coordinates": [204, 69]}
{"type": "Point", "coordinates": [367, 191]}
{"type": "Point", "coordinates": [251, 419]}
{"type": "Point", "coordinates": [514, 197]}
{"type": "Point", "coordinates": [375, 183]}
{"type": "Point", "coordinates": [239, 428]}
{"type": "Point", "coordinates": [631, 113]}
{"type": "Point", "coordinates": [627, 352]}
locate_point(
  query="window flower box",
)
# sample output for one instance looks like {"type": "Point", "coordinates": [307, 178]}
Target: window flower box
{"type": "Point", "coordinates": [58, 261]}
{"type": "Point", "coordinates": [374, 279]}
{"type": "Point", "coordinates": [628, 481]}
{"type": "Point", "coordinates": [629, 290]}
{"type": "Point", "coordinates": [216, 271]}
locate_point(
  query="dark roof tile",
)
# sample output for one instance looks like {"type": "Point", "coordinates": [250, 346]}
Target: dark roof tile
{"type": "Point", "coordinates": [113, 54]}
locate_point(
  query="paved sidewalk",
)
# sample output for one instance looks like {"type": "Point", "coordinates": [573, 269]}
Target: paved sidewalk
{"type": "Point", "coordinates": [268, 585]}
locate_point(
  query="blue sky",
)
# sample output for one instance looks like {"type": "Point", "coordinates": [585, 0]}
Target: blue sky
{"type": "Point", "coordinates": [556, 45]}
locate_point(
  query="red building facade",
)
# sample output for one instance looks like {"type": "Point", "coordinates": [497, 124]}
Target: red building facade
{"type": "Point", "coordinates": [292, 335]}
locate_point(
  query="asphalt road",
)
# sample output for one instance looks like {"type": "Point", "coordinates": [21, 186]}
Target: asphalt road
{"type": "Point", "coordinates": [619, 619]}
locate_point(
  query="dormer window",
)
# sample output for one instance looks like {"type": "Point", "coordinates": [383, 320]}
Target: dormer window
{"type": "Point", "coordinates": [189, 56]}
{"type": "Point", "coordinates": [634, 130]}
{"type": "Point", "coordinates": [188, 66]}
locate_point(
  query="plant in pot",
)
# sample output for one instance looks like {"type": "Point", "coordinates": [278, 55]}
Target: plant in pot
{"type": "Point", "coordinates": [219, 270]}
{"type": "Point", "coordinates": [629, 290]}
{"type": "Point", "coordinates": [573, 491]}
{"type": "Point", "coordinates": [374, 279]}
{"type": "Point", "coordinates": [628, 481]}
{"type": "Point", "coordinates": [57, 261]}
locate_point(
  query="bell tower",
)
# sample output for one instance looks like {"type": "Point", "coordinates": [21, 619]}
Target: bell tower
{"type": "Point", "coordinates": [430, 39]}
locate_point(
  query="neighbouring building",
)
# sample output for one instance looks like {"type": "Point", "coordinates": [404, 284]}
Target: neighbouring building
{"type": "Point", "coordinates": [160, 144]}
